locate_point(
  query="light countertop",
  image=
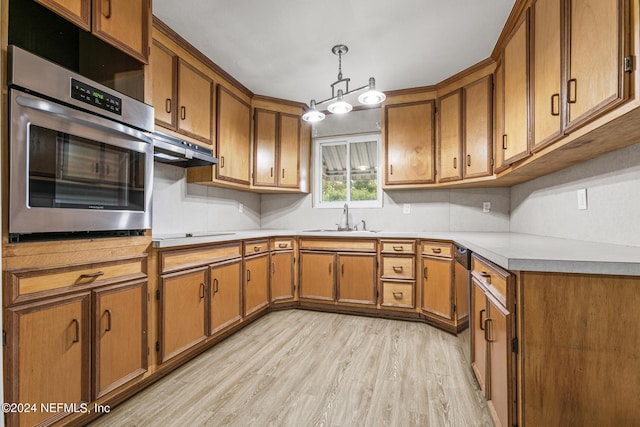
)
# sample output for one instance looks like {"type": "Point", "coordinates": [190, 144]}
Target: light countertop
{"type": "Point", "coordinates": [512, 251]}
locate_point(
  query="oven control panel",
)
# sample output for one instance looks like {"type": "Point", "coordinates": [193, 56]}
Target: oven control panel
{"type": "Point", "coordinates": [90, 95]}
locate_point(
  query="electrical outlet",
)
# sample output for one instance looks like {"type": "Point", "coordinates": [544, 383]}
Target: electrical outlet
{"type": "Point", "coordinates": [240, 207]}
{"type": "Point", "coordinates": [582, 199]}
{"type": "Point", "coordinates": [486, 207]}
{"type": "Point", "coordinates": [406, 208]}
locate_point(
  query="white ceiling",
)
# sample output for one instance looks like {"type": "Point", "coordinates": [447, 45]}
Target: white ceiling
{"type": "Point", "coordinates": [282, 48]}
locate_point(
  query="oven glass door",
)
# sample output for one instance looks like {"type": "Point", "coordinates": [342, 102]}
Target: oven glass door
{"type": "Point", "coordinates": [74, 171]}
{"type": "Point", "coordinates": [67, 171]}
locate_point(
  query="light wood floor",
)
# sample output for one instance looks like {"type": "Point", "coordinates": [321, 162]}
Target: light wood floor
{"type": "Point", "coordinates": [303, 368]}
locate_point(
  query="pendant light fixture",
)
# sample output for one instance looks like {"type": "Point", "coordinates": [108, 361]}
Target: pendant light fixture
{"type": "Point", "coordinates": [337, 103]}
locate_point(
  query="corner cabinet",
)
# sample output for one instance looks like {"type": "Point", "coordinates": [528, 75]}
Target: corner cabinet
{"type": "Point", "coordinates": [123, 24]}
{"type": "Point", "coordinates": [409, 143]}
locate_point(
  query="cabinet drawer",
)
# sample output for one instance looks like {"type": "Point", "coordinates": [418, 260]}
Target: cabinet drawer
{"type": "Point", "coordinates": [181, 259]}
{"type": "Point", "coordinates": [281, 244]}
{"type": "Point", "coordinates": [339, 245]}
{"type": "Point", "coordinates": [28, 284]}
{"type": "Point", "coordinates": [398, 246]}
{"type": "Point", "coordinates": [398, 267]}
{"type": "Point", "coordinates": [254, 247]}
{"type": "Point", "coordinates": [494, 278]}
{"type": "Point", "coordinates": [397, 294]}
{"type": "Point", "coordinates": [439, 249]}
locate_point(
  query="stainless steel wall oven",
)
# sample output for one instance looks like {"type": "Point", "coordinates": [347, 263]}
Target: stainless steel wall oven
{"type": "Point", "coordinates": [80, 154]}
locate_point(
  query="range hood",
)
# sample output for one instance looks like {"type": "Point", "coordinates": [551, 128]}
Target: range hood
{"type": "Point", "coordinates": [175, 151]}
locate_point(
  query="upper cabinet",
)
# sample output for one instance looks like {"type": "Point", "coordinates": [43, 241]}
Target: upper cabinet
{"type": "Point", "coordinates": [233, 142]}
{"type": "Point", "coordinates": [450, 137]}
{"type": "Point", "coordinates": [574, 82]}
{"type": "Point", "coordinates": [181, 95]}
{"type": "Point", "coordinates": [515, 135]}
{"type": "Point", "coordinates": [409, 143]}
{"type": "Point", "coordinates": [276, 149]}
{"type": "Point", "coordinates": [121, 23]}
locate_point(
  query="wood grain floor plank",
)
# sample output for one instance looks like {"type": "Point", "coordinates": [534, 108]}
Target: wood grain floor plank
{"type": "Point", "coordinates": [301, 368]}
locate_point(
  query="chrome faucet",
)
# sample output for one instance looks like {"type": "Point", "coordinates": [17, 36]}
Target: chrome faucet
{"type": "Point", "coordinates": [345, 216]}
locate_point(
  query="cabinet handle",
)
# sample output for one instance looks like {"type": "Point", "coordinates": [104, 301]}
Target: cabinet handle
{"type": "Point", "coordinates": [424, 273]}
{"type": "Point", "coordinates": [342, 269]}
{"type": "Point", "coordinates": [555, 104]}
{"type": "Point", "coordinates": [271, 173]}
{"type": "Point", "coordinates": [398, 248]}
{"type": "Point", "coordinates": [480, 321]}
{"type": "Point", "coordinates": [390, 169]}
{"type": "Point", "coordinates": [488, 330]}
{"type": "Point", "coordinates": [283, 173]}
{"type": "Point", "coordinates": [468, 159]}
{"type": "Point", "coordinates": [397, 268]}
{"type": "Point", "coordinates": [455, 163]}
{"type": "Point", "coordinates": [397, 294]}
{"type": "Point", "coordinates": [257, 248]}
{"type": "Point", "coordinates": [436, 250]}
{"type": "Point", "coordinates": [183, 112]}
{"type": "Point", "coordinates": [330, 268]}
{"type": "Point", "coordinates": [201, 290]}
{"type": "Point", "coordinates": [108, 313]}
{"type": "Point", "coordinates": [504, 141]}
{"type": "Point", "coordinates": [221, 162]}
{"type": "Point", "coordinates": [97, 167]}
{"type": "Point", "coordinates": [107, 14]}
{"type": "Point", "coordinates": [486, 276]}
{"type": "Point", "coordinates": [92, 275]}
{"type": "Point", "coordinates": [215, 286]}
{"type": "Point", "coordinates": [248, 275]}
{"type": "Point", "coordinates": [167, 105]}
{"type": "Point", "coordinates": [283, 245]}
{"type": "Point", "coordinates": [573, 91]}
{"type": "Point", "coordinates": [77, 324]}
{"type": "Point", "coordinates": [273, 268]}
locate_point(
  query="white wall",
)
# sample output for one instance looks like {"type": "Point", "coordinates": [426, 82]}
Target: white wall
{"type": "Point", "coordinates": [179, 207]}
{"type": "Point", "coordinates": [431, 210]}
{"type": "Point", "coordinates": [548, 205]}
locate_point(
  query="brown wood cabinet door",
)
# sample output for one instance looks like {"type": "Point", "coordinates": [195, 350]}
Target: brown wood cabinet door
{"type": "Point", "coordinates": [357, 278]}
{"type": "Point", "coordinates": [501, 373]}
{"type": "Point", "coordinates": [409, 143]}
{"type": "Point", "coordinates": [282, 285]}
{"type": "Point", "coordinates": [124, 24]}
{"type": "Point", "coordinates": [596, 45]}
{"type": "Point", "coordinates": [120, 336]}
{"type": "Point", "coordinates": [233, 138]}
{"type": "Point", "coordinates": [48, 358]}
{"type": "Point", "coordinates": [450, 137]}
{"type": "Point", "coordinates": [437, 287]}
{"type": "Point", "coordinates": [546, 51]}
{"type": "Point", "coordinates": [182, 311]}
{"type": "Point", "coordinates": [264, 147]}
{"type": "Point", "coordinates": [515, 68]}
{"type": "Point", "coordinates": [164, 83]}
{"type": "Point", "coordinates": [256, 284]}
{"type": "Point", "coordinates": [478, 128]}
{"type": "Point", "coordinates": [289, 151]}
{"type": "Point", "coordinates": [225, 293]}
{"type": "Point", "coordinates": [195, 92]}
{"type": "Point", "coordinates": [461, 280]}
{"type": "Point", "coordinates": [76, 11]}
{"type": "Point", "coordinates": [478, 343]}
{"type": "Point", "coordinates": [317, 275]}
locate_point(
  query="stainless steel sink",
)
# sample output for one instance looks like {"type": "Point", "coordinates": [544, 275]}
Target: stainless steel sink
{"type": "Point", "coordinates": [335, 230]}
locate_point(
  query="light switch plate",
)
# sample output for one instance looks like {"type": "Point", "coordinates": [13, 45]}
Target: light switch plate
{"type": "Point", "coordinates": [486, 207]}
{"type": "Point", "coordinates": [406, 208]}
{"type": "Point", "coordinates": [582, 199]}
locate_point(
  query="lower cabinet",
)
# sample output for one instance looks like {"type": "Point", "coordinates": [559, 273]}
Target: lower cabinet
{"type": "Point", "coordinates": [120, 323]}
{"type": "Point", "coordinates": [225, 295]}
{"type": "Point", "coordinates": [398, 274]}
{"type": "Point", "coordinates": [183, 311]}
{"type": "Point", "coordinates": [49, 357]}
{"type": "Point", "coordinates": [256, 285]}
{"type": "Point", "coordinates": [493, 342]}
{"type": "Point", "coordinates": [282, 284]}
{"type": "Point", "coordinates": [339, 271]}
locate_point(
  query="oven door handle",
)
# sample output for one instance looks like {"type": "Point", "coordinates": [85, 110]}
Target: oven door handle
{"type": "Point", "coordinates": [71, 114]}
